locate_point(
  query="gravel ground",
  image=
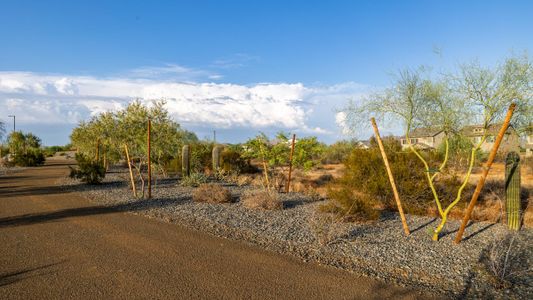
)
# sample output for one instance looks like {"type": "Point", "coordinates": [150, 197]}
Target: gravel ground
{"type": "Point", "coordinates": [378, 249]}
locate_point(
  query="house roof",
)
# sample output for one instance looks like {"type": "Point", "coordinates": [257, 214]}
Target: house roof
{"type": "Point", "coordinates": [424, 132]}
{"type": "Point", "coordinates": [477, 130]}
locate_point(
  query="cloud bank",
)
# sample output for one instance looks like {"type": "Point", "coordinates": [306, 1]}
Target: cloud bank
{"type": "Point", "coordinates": [63, 99]}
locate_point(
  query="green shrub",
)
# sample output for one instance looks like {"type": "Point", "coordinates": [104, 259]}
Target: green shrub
{"type": "Point", "coordinates": [31, 158]}
{"type": "Point", "coordinates": [234, 162]}
{"type": "Point", "coordinates": [201, 154]}
{"type": "Point", "coordinates": [88, 170]}
{"type": "Point", "coordinates": [194, 180]}
{"type": "Point", "coordinates": [336, 153]}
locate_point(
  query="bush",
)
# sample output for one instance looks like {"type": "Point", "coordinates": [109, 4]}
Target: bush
{"type": "Point", "coordinates": [337, 152]}
{"type": "Point", "coordinates": [350, 206]}
{"type": "Point", "coordinates": [32, 158]}
{"type": "Point", "coordinates": [365, 173]}
{"type": "Point", "coordinates": [261, 199]}
{"type": "Point", "coordinates": [194, 180]}
{"type": "Point", "coordinates": [211, 193]}
{"type": "Point", "coordinates": [233, 161]}
{"type": "Point", "coordinates": [88, 171]}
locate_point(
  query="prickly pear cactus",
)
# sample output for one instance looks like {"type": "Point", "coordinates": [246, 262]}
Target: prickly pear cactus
{"type": "Point", "coordinates": [216, 158]}
{"type": "Point", "coordinates": [512, 190]}
{"type": "Point", "coordinates": [186, 160]}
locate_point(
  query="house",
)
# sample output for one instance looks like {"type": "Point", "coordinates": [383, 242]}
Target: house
{"type": "Point", "coordinates": [510, 142]}
{"type": "Point", "coordinates": [424, 138]}
{"type": "Point", "coordinates": [428, 138]}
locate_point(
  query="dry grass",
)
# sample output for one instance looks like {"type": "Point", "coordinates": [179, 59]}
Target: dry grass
{"type": "Point", "coordinates": [211, 193]}
{"type": "Point", "coordinates": [262, 199]}
{"type": "Point", "coordinates": [326, 228]}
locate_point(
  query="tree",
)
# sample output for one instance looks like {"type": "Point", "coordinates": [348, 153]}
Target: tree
{"type": "Point", "coordinates": [476, 94]}
{"type": "Point", "coordinates": [26, 149]}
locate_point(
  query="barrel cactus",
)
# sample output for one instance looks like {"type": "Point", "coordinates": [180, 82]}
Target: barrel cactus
{"type": "Point", "coordinates": [512, 190]}
{"type": "Point", "coordinates": [217, 150]}
{"type": "Point", "coordinates": [186, 160]}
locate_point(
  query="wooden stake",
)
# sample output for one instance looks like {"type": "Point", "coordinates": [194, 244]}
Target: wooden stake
{"type": "Point", "coordinates": [391, 178]}
{"type": "Point", "coordinates": [131, 172]}
{"type": "Point", "coordinates": [149, 161]}
{"type": "Point", "coordinates": [290, 164]}
{"type": "Point", "coordinates": [486, 169]}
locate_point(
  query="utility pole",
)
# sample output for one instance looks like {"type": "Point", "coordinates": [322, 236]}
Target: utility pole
{"type": "Point", "coordinates": [215, 136]}
{"type": "Point", "coordinates": [13, 116]}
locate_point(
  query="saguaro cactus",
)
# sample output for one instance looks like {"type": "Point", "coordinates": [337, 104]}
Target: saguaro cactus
{"type": "Point", "coordinates": [217, 150]}
{"type": "Point", "coordinates": [186, 160]}
{"type": "Point", "coordinates": [512, 190]}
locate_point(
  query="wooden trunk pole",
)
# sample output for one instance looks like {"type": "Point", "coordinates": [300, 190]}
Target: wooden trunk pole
{"type": "Point", "coordinates": [131, 172]}
{"type": "Point", "coordinates": [486, 169]}
{"type": "Point", "coordinates": [290, 164]}
{"type": "Point", "coordinates": [149, 161]}
{"type": "Point", "coordinates": [391, 178]}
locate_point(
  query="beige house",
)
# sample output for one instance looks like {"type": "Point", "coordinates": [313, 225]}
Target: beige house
{"type": "Point", "coordinates": [424, 138]}
{"type": "Point", "coordinates": [427, 138]}
{"type": "Point", "coordinates": [510, 142]}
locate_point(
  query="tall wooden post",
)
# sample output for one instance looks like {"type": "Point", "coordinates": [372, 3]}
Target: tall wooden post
{"type": "Point", "coordinates": [391, 178]}
{"type": "Point", "coordinates": [290, 164]}
{"type": "Point", "coordinates": [131, 172]}
{"type": "Point", "coordinates": [149, 161]}
{"type": "Point", "coordinates": [486, 169]}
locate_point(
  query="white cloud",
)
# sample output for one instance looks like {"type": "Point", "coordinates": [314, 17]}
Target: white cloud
{"type": "Point", "coordinates": [62, 99]}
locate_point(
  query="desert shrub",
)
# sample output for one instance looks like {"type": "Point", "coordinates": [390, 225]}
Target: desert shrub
{"type": "Point", "coordinates": [194, 180]}
{"type": "Point", "coordinates": [233, 161]}
{"type": "Point", "coordinates": [211, 193]}
{"type": "Point", "coordinates": [365, 173]}
{"type": "Point", "coordinates": [201, 159]}
{"type": "Point", "coordinates": [336, 153]}
{"type": "Point", "coordinates": [88, 170]}
{"type": "Point", "coordinates": [350, 206]}
{"type": "Point", "coordinates": [325, 228]}
{"type": "Point", "coordinates": [507, 260]}
{"type": "Point", "coordinates": [30, 158]}
{"type": "Point", "coordinates": [262, 199]}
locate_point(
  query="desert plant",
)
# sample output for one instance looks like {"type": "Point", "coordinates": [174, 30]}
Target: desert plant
{"type": "Point", "coordinates": [261, 199]}
{"type": "Point", "coordinates": [512, 190]}
{"type": "Point", "coordinates": [211, 193]}
{"type": "Point", "coordinates": [185, 161]}
{"type": "Point", "coordinates": [29, 158]}
{"type": "Point", "coordinates": [350, 206]}
{"type": "Point", "coordinates": [507, 260]}
{"type": "Point", "coordinates": [88, 170]}
{"type": "Point", "coordinates": [194, 179]}
{"type": "Point", "coordinates": [325, 228]}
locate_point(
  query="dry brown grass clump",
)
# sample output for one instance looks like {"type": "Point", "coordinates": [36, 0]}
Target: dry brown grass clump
{"type": "Point", "coordinates": [262, 199]}
{"type": "Point", "coordinates": [211, 193]}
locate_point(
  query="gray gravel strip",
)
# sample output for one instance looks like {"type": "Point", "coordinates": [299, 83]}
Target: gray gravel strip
{"type": "Point", "coordinates": [378, 249]}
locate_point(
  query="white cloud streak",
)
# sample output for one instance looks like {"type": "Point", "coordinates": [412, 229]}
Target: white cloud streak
{"type": "Point", "coordinates": [63, 99]}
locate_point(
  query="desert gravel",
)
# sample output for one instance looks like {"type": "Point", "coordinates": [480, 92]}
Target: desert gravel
{"type": "Point", "coordinates": [378, 249]}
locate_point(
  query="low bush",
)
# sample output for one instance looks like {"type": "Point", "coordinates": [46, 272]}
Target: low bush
{"type": "Point", "coordinates": [211, 193]}
{"type": "Point", "coordinates": [31, 158]}
{"type": "Point", "coordinates": [234, 162]}
{"type": "Point", "coordinates": [326, 228]}
{"type": "Point", "coordinates": [349, 206]}
{"type": "Point", "coordinates": [88, 170]}
{"type": "Point", "coordinates": [194, 180]}
{"type": "Point", "coordinates": [338, 152]}
{"type": "Point", "coordinates": [262, 199]}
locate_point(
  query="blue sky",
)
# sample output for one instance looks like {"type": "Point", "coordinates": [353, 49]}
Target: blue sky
{"type": "Point", "coordinates": [63, 61]}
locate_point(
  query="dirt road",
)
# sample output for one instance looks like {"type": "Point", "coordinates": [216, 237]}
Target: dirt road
{"type": "Point", "coordinates": [57, 245]}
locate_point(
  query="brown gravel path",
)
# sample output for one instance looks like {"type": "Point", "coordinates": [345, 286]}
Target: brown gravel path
{"type": "Point", "coordinates": [57, 245]}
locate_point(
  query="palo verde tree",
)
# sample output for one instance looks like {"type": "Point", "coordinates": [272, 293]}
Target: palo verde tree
{"type": "Point", "coordinates": [475, 94]}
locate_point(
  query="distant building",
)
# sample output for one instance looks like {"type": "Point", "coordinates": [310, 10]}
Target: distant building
{"type": "Point", "coordinates": [424, 138]}
{"type": "Point", "coordinates": [428, 138]}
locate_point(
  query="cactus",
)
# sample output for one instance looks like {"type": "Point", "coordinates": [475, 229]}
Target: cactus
{"type": "Point", "coordinates": [186, 161]}
{"type": "Point", "coordinates": [512, 190]}
{"type": "Point", "coordinates": [217, 150]}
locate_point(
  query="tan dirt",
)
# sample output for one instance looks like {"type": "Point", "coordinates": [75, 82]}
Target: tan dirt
{"type": "Point", "coordinates": [57, 245]}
